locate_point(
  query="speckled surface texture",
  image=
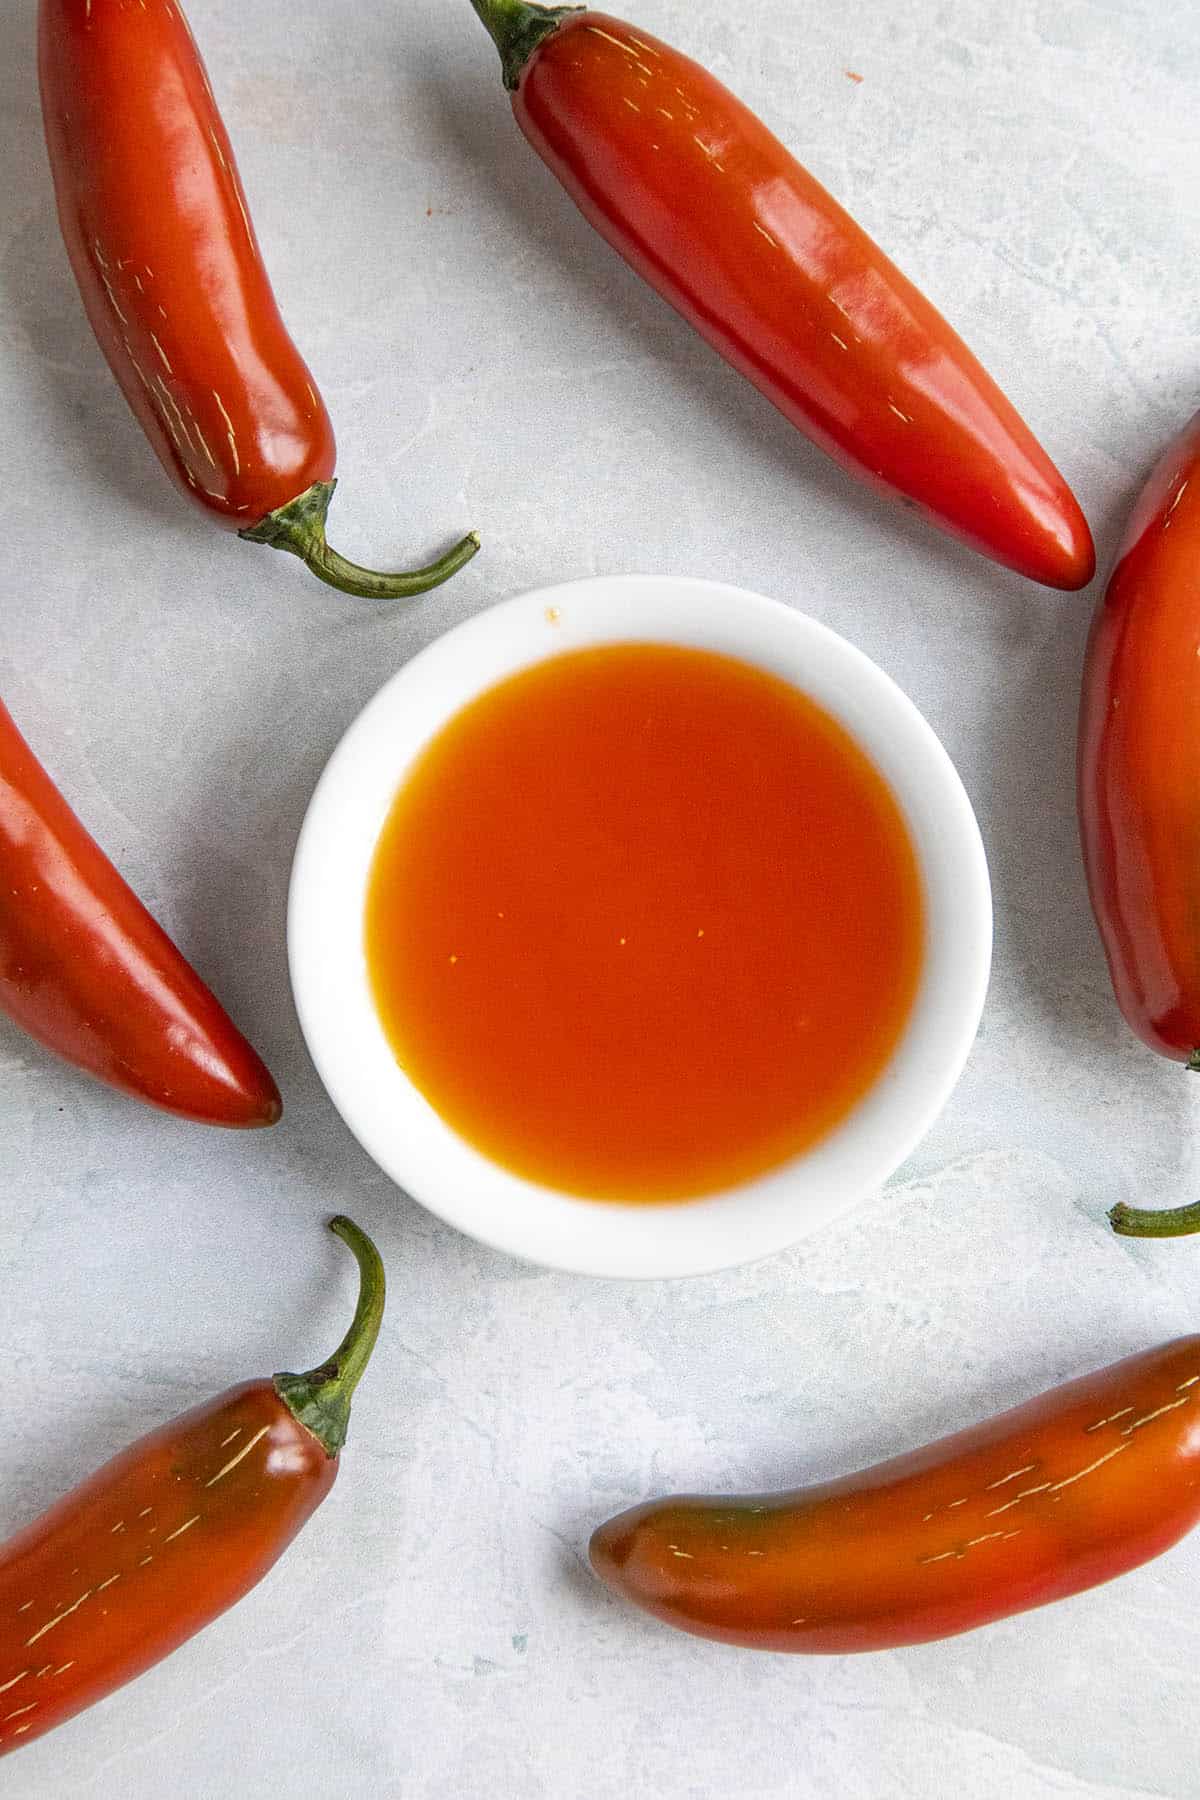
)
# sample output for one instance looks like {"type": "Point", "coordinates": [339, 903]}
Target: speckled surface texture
{"type": "Point", "coordinates": [1033, 165]}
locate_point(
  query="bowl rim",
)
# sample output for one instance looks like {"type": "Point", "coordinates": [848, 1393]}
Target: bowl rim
{"type": "Point", "coordinates": [400, 1130]}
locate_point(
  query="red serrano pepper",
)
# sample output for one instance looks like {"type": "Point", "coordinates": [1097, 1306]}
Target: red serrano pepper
{"type": "Point", "coordinates": [160, 240]}
{"type": "Point", "coordinates": [700, 198]}
{"type": "Point", "coordinates": [1064, 1492]}
{"type": "Point", "coordinates": [1139, 778]}
{"type": "Point", "coordinates": [173, 1531]}
{"type": "Point", "coordinates": [87, 972]}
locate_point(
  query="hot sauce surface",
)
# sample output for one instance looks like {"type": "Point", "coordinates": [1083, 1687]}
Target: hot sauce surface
{"type": "Point", "coordinates": [643, 922]}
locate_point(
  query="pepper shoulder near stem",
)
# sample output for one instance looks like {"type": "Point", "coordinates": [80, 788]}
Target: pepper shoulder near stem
{"type": "Point", "coordinates": [517, 29]}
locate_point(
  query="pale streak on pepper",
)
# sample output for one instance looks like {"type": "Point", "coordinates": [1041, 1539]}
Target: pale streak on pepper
{"type": "Point", "coordinates": [204, 443]}
{"type": "Point", "coordinates": [1183, 488]}
{"type": "Point", "coordinates": [58, 1620]}
{"type": "Point", "coordinates": [112, 298]}
{"type": "Point", "coordinates": [235, 1460]}
{"type": "Point", "coordinates": [237, 194]}
{"type": "Point", "coordinates": [609, 39]}
{"type": "Point", "coordinates": [1023, 1495]}
{"type": "Point", "coordinates": [171, 402]}
{"type": "Point", "coordinates": [1107, 1457]}
{"type": "Point", "coordinates": [1109, 1420]}
{"type": "Point", "coordinates": [1027, 1470]}
{"type": "Point", "coordinates": [237, 469]}
{"type": "Point", "coordinates": [1146, 1417]}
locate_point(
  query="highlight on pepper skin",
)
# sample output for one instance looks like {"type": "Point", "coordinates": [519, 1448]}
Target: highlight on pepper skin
{"type": "Point", "coordinates": [1073, 1488]}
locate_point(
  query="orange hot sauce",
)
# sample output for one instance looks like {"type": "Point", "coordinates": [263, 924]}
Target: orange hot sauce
{"type": "Point", "coordinates": [643, 923]}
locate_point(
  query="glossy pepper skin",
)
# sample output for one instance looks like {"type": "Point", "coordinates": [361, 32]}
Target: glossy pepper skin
{"type": "Point", "coordinates": [1139, 759]}
{"type": "Point", "coordinates": [1139, 777]}
{"type": "Point", "coordinates": [89, 974]}
{"type": "Point", "coordinates": [1051, 1498]}
{"type": "Point", "coordinates": [159, 237]}
{"type": "Point", "coordinates": [711, 209]}
{"type": "Point", "coordinates": [173, 1531]}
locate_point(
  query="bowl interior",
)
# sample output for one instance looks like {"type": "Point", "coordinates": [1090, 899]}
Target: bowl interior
{"type": "Point", "coordinates": [399, 1128]}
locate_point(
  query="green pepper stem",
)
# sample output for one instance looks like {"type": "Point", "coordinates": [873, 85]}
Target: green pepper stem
{"type": "Point", "coordinates": [517, 28]}
{"type": "Point", "coordinates": [1144, 1222]}
{"type": "Point", "coordinates": [1147, 1222]}
{"type": "Point", "coordinates": [299, 527]}
{"type": "Point", "coordinates": [320, 1399]}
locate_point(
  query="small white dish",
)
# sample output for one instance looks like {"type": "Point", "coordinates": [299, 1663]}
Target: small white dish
{"type": "Point", "coordinates": [397, 1126]}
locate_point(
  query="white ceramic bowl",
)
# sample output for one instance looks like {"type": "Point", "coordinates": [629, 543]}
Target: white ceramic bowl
{"type": "Point", "coordinates": [399, 1128]}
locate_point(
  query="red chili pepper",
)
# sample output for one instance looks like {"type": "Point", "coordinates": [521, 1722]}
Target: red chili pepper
{"type": "Point", "coordinates": [160, 239]}
{"type": "Point", "coordinates": [1056, 1496]}
{"type": "Point", "coordinates": [1139, 777]}
{"type": "Point", "coordinates": [88, 972]}
{"type": "Point", "coordinates": [1139, 759]}
{"type": "Point", "coordinates": [173, 1531]}
{"type": "Point", "coordinates": [713, 211]}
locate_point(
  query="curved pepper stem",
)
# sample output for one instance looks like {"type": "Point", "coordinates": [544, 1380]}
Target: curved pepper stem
{"type": "Point", "coordinates": [1144, 1222]}
{"type": "Point", "coordinates": [321, 1398]}
{"type": "Point", "coordinates": [517, 28]}
{"type": "Point", "coordinates": [299, 527]}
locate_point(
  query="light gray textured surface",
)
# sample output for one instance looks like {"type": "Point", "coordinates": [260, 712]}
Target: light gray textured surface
{"type": "Point", "coordinates": [1034, 165]}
